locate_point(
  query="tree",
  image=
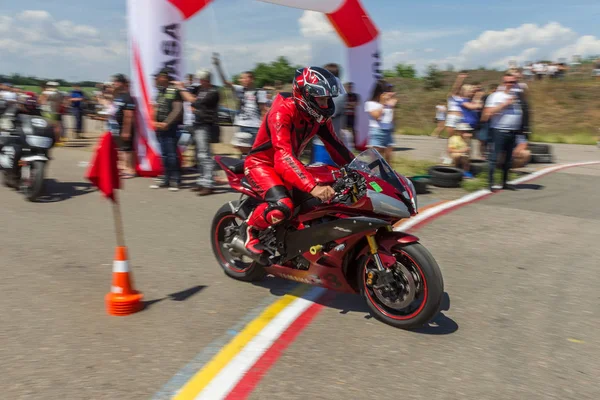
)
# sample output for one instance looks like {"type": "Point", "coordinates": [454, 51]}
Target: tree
{"type": "Point", "coordinates": [405, 71]}
{"type": "Point", "coordinates": [278, 70]}
{"type": "Point", "coordinates": [433, 78]}
{"type": "Point", "coordinates": [388, 73]}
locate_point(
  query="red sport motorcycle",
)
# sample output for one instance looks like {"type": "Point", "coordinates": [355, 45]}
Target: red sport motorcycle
{"type": "Point", "coordinates": [346, 244]}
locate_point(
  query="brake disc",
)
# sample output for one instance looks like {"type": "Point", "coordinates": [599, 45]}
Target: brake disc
{"type": "Point", "coordinates": [401, 296]}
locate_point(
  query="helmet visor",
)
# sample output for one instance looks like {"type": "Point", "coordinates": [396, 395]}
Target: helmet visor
{"type": "Point", "coordinates": [316, 90]}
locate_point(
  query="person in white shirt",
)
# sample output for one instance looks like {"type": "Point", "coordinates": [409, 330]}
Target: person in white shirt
{"type": "Point", "coordinates": [539, 69]}
{"type": "Point", "coordinates": [381, 119]}
{"type": "Point", "coordinates": [440, 119]}
{"type": "Point", "coordinates": [503, 110]}
{"type": "Point", "coordinates": [454, 112]}
{"type": "Point", "coordinates": [552, 70]}
{"type": "Point", "coordinates": [252, 106]}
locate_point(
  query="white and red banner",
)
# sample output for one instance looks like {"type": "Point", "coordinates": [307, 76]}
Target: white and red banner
{"type": "Point", "coordinates": [361, 37]}
{"type": "Point", "coordinates": [155, 42]}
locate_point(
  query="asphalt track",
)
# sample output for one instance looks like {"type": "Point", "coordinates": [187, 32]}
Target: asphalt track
{"type": "Point", "coordinates": [520, 321]}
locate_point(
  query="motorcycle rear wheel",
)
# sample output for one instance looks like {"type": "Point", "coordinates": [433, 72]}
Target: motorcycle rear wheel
{"type": "Point", "coordinates": [428, 289]}
{"type": "Point", "coordinates": [233, 266]}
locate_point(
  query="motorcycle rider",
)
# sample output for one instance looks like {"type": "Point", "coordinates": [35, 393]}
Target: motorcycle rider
{"type": "Point", "coordinates": [26, 105]}
{"type": "Point", "coordinates": [272, 166]}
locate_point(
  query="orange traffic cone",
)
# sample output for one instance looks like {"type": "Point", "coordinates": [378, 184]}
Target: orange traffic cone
{"type": "Point", "coordinates": [123, 299]}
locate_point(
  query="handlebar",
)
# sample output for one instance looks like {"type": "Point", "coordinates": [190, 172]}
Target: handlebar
{"type": "Point", "coordinates": [344, 186]}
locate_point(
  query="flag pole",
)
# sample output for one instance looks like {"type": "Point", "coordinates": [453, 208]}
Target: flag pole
{"type": "Point", "coordinates": [118, 222]}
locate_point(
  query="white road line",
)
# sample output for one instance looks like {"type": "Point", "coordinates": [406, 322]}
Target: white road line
{"type": "Point", "coordinates": [228, 377]}
{"type": "Point", "coordinates": [480, 193]}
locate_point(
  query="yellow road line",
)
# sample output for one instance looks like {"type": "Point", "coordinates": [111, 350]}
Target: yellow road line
{"type": "Point", "coordinates": [201, 379]}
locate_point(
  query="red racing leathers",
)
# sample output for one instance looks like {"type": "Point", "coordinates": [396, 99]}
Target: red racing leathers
{"type": "Point", "coordinates": [272, 166]}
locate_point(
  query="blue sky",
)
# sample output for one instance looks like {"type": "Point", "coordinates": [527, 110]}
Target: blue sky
{"type": "Point", "coordinates": [65, 40]}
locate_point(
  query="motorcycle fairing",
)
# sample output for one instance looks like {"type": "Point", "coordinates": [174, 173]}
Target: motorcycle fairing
{"type": "Point", "coordinates": [299, 242]}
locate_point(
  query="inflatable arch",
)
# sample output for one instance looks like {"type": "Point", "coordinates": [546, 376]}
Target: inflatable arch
{"type": "Point", "coordinates": [155, 41]}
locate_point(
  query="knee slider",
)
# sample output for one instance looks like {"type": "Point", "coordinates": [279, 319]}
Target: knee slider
{"type": "Point", "coordinates": [279, 211]}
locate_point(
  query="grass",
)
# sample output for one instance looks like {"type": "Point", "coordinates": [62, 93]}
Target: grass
{"type": "Point", "coordinates": [574, 138]}
{"type": "Point", "coordinates": [562, 111]}
{"type": "Point", "coordinates": [556, 138]}
{"type": "Point", "coordinates": [409, 167]}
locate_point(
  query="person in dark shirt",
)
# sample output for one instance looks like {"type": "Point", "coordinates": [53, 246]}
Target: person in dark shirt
{"type": "Point", "coordinates": [169, 115]}
{"type": "Point", "coordinates": [205, 102]}
{"type": "Point", "coordinates": [76, 101]}
{"type": "Point", "coordinates": [122, 123]}
{"type": "Point", "coordinates": [192, 85]}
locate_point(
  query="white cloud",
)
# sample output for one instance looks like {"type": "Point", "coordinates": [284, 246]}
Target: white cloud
{"type": "Point", "coordinates": [34, 15]}
{"type": "Point", "coordinates": [241, 57]}
{"type": "Point", "coordinates": [525, 56]}
{"type": "Point", "coordinates": [35, 43]}
{"type": "Point", "coordinates": [526, 35]}
{"type": "Point", "coordinates": [5, 23]}
{"type": "Point", "coordinates": [397, 37]}
{"type": "Point", "coordinates": [584, 46]}
{"type": "Point", "coordinates": [528, 42]}
{"type": "Point", "coordinates": [315, 25]}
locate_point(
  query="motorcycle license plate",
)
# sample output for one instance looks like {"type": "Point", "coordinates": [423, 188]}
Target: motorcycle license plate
{"type": "Point", "coordinates": [25, 172]}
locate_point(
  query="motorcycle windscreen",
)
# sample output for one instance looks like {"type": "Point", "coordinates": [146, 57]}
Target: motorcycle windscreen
{"type": "Point", "coordinates": [373, 164]}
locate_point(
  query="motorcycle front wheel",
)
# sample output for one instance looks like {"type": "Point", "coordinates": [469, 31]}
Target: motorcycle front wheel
{"type": "Point", "coordinates": [412, 294]}
{"type": "Point", "coordinates": [33, 184]}
{"type": "Point", "coordinates": [236, 265]}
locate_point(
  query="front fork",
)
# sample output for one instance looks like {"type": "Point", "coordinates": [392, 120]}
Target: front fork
{"type": "Point", "coordinates": [374, 249]}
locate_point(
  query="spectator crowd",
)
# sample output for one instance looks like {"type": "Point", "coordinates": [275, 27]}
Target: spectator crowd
{"type": "Point", "coordinates": [491, 123]}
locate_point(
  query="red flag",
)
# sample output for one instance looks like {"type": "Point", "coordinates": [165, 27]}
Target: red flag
{"type": "Point", "coordinates": [104, 172]}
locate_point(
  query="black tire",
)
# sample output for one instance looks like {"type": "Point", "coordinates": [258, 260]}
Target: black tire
{"type": "Point", "coordinates": [431, 275]}
{"type": "Point", "coordinates": [249, 273]}
{"type": "Point", "coordinates": [541, 159]}
{"type": "Point", "coordinates": [538, 148]}
{"type": "Point", "coordinates": [420, 185]}
{"type": "Point", "coordinates": [478, 166]}
{"type": "Point", "coordinates": [444, 176]}
{"type": "Point", "coordinates": [36, 184]}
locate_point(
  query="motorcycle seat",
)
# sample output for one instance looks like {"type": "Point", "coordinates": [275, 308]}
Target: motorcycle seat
{"type": "Point", "coordinates": [235, 165]}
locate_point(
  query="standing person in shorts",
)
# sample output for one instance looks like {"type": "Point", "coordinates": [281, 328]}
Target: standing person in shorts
{"type": "Point", "coordinates": [122, 123]}
{"type": "Point", "coordinates": [252, 102]}
{"type": "Point", "coordinates": [440, 119]}
{"type": "Point", "coordinates": [455, 115]}
{"type": "Point", "coordinates": [380, 109]}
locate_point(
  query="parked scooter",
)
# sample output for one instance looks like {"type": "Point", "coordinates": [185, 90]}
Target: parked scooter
{"type": "Point", "coordinates": [25, 141]}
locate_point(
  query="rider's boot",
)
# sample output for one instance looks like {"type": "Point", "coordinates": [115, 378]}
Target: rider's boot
{"type": "Point", "coordinates": [250, 238]}
{"type": "Point", "coordinates": [249, 229]}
